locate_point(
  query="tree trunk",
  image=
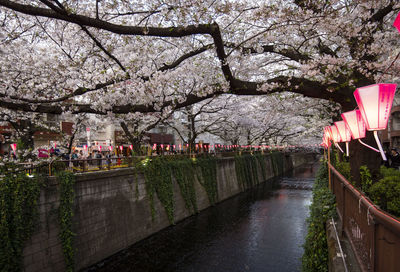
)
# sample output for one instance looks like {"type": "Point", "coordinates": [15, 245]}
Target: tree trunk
{"type": "Point", "coordinates": [135, 141]}
{"type": "Point", "coordinates": [26, 131]}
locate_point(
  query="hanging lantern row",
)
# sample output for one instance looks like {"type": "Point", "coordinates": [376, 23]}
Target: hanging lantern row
{"type": "Point", "coordinates": [227, 147]}
{"type": "Point", "coordinates": [374, 103]}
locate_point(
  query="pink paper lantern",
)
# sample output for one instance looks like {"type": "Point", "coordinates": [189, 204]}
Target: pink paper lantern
{"type": "Point", "coordinates": [344, 131]}
{"type": "Point", "coordinates": [355, 123]}
{"type": "Point", "coordinates": [335, 134]}
{"type": "Point", "coordinates": [121, 147]}
{"type": "Point", "coordinates": [131, 147]}
{"type": "Point", "coordinates": [99, 147]}
{"type": "Point", "coordinates": [396, 23]}
{"type": "Point", "coordinates": [328, 132]}
{"type": "Point", "coordinates": [326, 141]}
{"type": "Point", "coordinates": [375, 102]}
{"type": "Point", "coordinates": [13, 147]}
{"type": "Point", "coordinates": [110, 148]}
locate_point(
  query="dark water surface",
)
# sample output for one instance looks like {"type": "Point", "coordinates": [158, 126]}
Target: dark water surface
{"type": "Point", "coordinates": [262, 229]}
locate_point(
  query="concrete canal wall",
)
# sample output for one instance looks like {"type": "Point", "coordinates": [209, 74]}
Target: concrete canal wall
{"type": "Point", "coordinates": [110, 214]}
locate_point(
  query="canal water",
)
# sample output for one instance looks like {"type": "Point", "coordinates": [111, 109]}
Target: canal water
{"type": "Point", "coordinates": [262, 229]}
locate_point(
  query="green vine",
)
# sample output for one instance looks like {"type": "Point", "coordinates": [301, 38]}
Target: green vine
{"type": "Point", "coordinates": [136, 184]}
{"type": "Point", "coordinates": [261, 161]}
{"type": "Point", "coordinates": [67, 198]}
{"type": "Point", "coordinates": [159, 181]}
{"type": "Point", "coordinates": [315, 257]}
{"type": "Point", "coordinates": [184, 175]}
{"type": "Point", "coordinates": [365, 178]}
{"type": "Point", "coordinates": [208, 177]}
{"type": "Point", "coordinates": [277, 161]}
{"type": "Point", "coordinates": [19, 196]}
{"type": "Point", "coordinates": [246, 170]}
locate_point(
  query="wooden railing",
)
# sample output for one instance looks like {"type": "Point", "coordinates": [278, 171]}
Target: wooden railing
{"type": "Point", "coordinates": [373, 233]}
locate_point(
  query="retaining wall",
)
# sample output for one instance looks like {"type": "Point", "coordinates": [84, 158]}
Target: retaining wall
{"type": "Point", "coordinates": [109, 215]}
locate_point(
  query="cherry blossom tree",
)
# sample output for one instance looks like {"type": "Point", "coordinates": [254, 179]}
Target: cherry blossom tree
{"type": "Point", "coordinates": [273, 119]}
{"type": "Point", "coordinates": [199, 119]}
{"type": "Point", "coordinates": [119, 57]}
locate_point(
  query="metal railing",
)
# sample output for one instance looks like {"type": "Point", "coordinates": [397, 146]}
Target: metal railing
{"type": "Point", "coordinates": [373, 234]}
{"type": "Point", "coordinates": [102, 164]}
{"type": "Point", "coordinates": [92, 165]}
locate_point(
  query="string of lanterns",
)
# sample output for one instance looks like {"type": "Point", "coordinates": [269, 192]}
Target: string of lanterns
{"type": "Point", "coordinates": [374, 103]}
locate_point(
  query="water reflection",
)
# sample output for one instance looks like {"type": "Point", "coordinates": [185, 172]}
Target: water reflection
{"type": "Point", "coordinates": [260, 230]}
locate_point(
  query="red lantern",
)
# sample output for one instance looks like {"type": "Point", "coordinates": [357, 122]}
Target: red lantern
{"type": "Point", "coordinates": [100, 148]}
{"type": "Point", "coordinates": [397, 22]}
{"type": "Point", "coordinates": [325, 140]}
{"type": "Point", "coordinates": [13, 147]}
{"type": "Point", "coordinates": [344, 133]}
{"type": "Point", "coordinates": [335, 134]}
{"type": "Point", "coordinates": [375, 102]}
{"type": "Point", "coordinates": [328, 132]}
{"type": "Point", "coordinates": [121, 147]}
{"type": "Point", "coordinates": [131, 147]}
{"type": "Point", "coordinates": [355, 123]}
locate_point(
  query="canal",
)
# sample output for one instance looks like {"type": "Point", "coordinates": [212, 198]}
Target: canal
{"type": "Point", "coordinates": [262, 229]}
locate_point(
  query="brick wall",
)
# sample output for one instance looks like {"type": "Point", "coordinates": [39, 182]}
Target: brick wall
{"type": "Point", "coordinates": [109, 216]}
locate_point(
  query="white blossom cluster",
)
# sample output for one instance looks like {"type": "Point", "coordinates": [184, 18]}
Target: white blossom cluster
{"type": "Point", "coordinates": [63, 67]}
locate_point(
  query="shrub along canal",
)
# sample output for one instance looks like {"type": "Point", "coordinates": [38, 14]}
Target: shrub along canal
{"type": "Point", "coordinates": [262, 229]}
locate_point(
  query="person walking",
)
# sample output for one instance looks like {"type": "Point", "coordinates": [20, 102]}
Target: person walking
{"type": "Point", "coordinates": [394, 158]}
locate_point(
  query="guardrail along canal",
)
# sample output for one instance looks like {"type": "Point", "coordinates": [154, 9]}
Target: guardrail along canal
{"type": "Point", "coordinates": [262, 229]}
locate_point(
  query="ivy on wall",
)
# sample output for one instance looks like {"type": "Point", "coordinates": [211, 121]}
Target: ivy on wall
{"type": "Point", "coordinates": [159, 181]}
{"type": "Point", "coordinates": [246, 171]}
{"type": "Point", "coordinates": [208, 177]}
{"type": "Point", "coordinates": [66, 212]}
{"type": "Point", "coordinates": [315, 257]}
{"type": "Point", "coordinates": [262, 163]}
{"type": "Point", "coordinates": [19, 196]}
{"type": "Point", "coordinates": [183, 172]}
{"type": "Point", "coordinates": [277, 160]}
